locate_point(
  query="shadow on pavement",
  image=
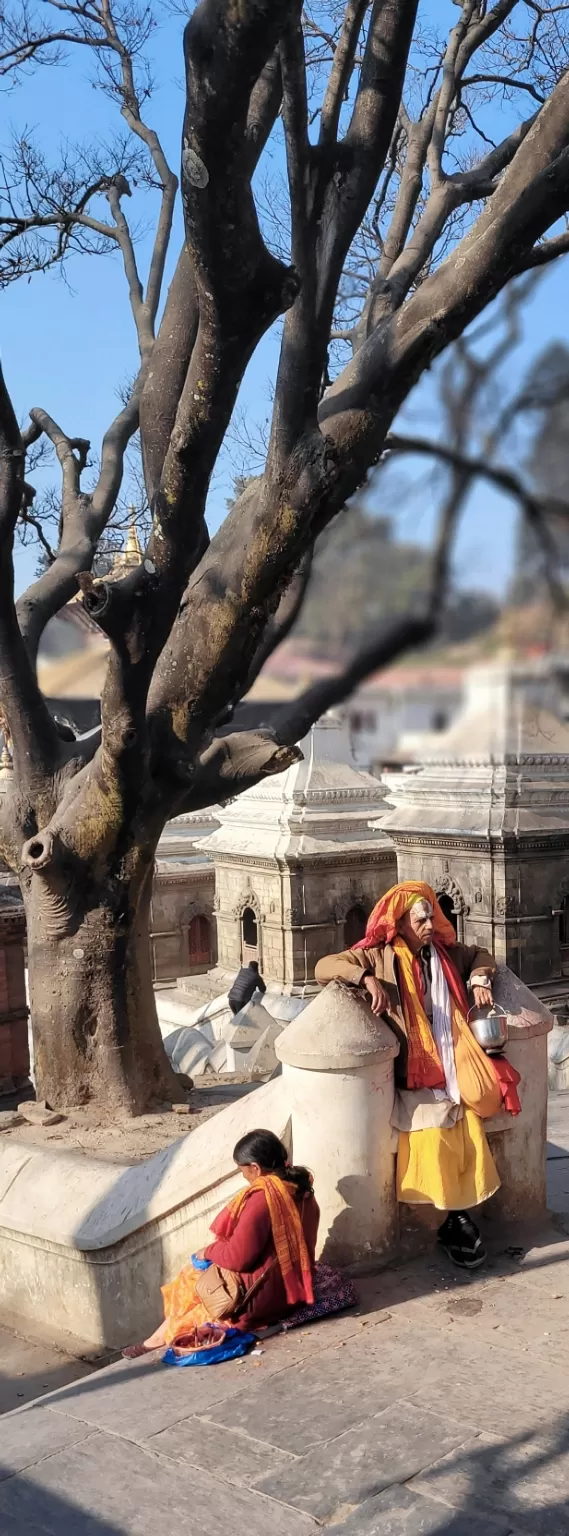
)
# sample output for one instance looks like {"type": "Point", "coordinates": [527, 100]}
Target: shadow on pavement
{"type": "Point", "coordinates": [27, 1509]}
{"type": "Point", "coordinates": [496, 1488]}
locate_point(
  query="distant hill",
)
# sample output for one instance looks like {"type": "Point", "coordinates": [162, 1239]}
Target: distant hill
{"type": "Point", "coordinates": [361, 574]}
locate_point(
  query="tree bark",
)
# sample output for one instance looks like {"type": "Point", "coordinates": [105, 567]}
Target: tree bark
{"type": "Point", "coordinates": [96, 1033]}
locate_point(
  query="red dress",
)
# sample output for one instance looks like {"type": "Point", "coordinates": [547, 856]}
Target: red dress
{"type": "Point", "coordinates": [250, 1249]}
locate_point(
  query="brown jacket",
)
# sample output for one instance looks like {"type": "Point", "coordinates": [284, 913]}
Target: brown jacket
{"type": "Point", "coordinates": [353, 964]}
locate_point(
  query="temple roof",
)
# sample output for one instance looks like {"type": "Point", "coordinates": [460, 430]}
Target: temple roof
{"type": "Point", "coordinates": [321, 805]}
{"type": "Point", "coordinates": [183, 838]}
{"type": "Point", "coordinates": [501, 768]}
{"type": "Point", "coordinates": [509, 714]}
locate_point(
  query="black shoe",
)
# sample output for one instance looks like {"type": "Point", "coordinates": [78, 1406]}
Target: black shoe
{"type": "Point", "coordinates": [461, 1240]}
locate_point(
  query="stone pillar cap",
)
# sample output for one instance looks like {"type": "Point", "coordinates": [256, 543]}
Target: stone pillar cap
{"type": "Point", "coordinates": [335, 1033]}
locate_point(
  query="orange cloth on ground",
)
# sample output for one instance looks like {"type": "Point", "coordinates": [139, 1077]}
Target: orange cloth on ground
{"type": "Point", "coordinates": [185, 1313]}
{"type": "Point", "coordinates": [183, 1310]}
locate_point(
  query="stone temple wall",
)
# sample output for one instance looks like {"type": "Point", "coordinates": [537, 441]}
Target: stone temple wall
{"type": "Point", "coordinates": [485, 818]}
{"type": "Point", "coordinates": [300, 910]}
{"type": "Point", "coordinates": [507, 900]}
{"type": "Point", "coordinates": [177, 897]}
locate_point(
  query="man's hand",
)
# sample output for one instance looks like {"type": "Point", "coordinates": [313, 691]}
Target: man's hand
{"type": "Point", "coordinates": [482, 997]}
{"type": "Point", "coordinates": [379, 997]}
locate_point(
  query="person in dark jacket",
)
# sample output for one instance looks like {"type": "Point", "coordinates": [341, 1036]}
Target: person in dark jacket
{"type": "Point", "coordinates": [248, 981]}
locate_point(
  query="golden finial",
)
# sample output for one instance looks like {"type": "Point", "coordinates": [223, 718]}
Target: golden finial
{"type": "Point", "coordinates": [130, 556]}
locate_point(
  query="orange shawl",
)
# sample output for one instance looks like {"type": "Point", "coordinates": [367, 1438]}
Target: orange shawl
{"type": "Point", "coordinates": [288, 1236]}
{"type": "Point", "coordinates": [424, 1068]}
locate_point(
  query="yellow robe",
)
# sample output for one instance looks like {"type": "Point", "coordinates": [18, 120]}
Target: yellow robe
{"type": "Point", "coordinates": [451, 1169]}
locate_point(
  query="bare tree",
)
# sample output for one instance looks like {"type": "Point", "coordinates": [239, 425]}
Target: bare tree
{"type": "Point", "coordinates": [387, 136]}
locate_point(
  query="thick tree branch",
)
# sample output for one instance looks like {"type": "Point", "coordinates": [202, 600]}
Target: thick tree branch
{"type": "Point", "coordinates": [532, 194]}
{"type": "Point", "coordinates": [356, 414]}
{"type": "Point", "coordinates": [240, 287]}
{"type": "Point", "coordinates": [447, 92]}
{"type": "Point", "coordinates": [389, 641]}
{"type": "Point", "coordinates": [32, 730]}
{"type": "Point", "coordinates": [84, 519]}
{"type": "Point", "coordinates": [118, 607]}
{"type": "Point", "coordinates": [348, 181]}
{"type": "Point", "coordinates": [425, 145]}
{"type": "Point", "coordinates": [300, 365]}
{"type": "Point", "coordinates": [281, 623]}
{"type": "Point", "coordinates": [341, 71]}
{"type": "Point", "coordinates": [178, 329]}
{"type": "Point", "coordinates": [386, 645]}
{"type": "Point", "coordinates": [232, 764]}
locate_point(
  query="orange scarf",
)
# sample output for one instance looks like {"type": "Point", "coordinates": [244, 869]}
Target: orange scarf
{"type": "Point", "coordinates": [288, 1236]}
{"type": "Point", "coordinates": [392, 906]}
{"type": "Point", "coordinates": [424, 1065]}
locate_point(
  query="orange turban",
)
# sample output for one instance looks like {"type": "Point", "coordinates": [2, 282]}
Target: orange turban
{"type": "Point", "coordinates": [388, 911]}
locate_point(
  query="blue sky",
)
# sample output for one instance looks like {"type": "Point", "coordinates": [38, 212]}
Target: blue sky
{"type": "Point", "coordinates": [69, 345]}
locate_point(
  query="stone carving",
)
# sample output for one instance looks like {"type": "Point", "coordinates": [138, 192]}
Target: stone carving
{"type": "Point", "coordinates": [356, 898]}
{"type": "Point", "coordinates": [194, 909]}
{"type": "Point", "coordinates": [448, 887]}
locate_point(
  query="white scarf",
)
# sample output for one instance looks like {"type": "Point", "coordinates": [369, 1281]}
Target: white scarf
{"type": "Point", "coordinates": [442, 1030]}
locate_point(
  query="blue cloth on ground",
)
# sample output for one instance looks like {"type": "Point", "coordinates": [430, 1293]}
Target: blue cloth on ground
{"type": "Point", "coordinates": [233, 1345]}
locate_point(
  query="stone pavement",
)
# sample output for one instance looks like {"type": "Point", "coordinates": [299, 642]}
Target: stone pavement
{"type": "Point", "coordinates": [28, 1368]}
{"type": "Point", "coordinates": [439, 1408]}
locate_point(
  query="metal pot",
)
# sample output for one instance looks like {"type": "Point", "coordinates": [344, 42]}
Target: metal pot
{"type": "Point", "coordinates": [490, 1028]}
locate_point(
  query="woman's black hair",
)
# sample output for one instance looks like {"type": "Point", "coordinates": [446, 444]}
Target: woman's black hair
{"type": "Point", "coordinates": [264, 1148]}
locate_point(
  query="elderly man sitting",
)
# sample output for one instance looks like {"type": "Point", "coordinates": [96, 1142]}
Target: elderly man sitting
{"type": "Point", "coordinates": [415, 974]}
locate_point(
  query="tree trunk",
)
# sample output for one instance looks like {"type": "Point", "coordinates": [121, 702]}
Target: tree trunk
{"type": "Point", "coordinates": [95, 1026]}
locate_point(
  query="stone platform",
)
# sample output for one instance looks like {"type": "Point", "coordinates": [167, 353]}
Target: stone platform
{"type": "Point", "coordinates": [441, 1408]}
{"type": "Point", "coordinates": [85, 1245]}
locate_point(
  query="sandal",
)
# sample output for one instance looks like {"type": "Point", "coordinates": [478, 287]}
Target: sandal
{"type": "Point", "coordinates": [134, 1351]}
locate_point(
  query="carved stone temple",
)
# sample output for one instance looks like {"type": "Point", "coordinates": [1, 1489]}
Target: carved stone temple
{"type": "Point", "coordinates": [297, 865]}
{"type": "Point", "coordinates": [485, 819]}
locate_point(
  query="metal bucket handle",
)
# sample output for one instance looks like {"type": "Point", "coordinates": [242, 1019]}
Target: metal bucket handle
{"type": "Point", "coordinates": [496, 1011]}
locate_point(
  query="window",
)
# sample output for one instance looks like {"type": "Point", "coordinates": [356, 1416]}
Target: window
{"type": "Point", "coordinates": [354, 926]}
{"type": "Point", "coordinates": [199, 941]}
{"type": "Point", "coordinates": [249, 928]}
{"type": "Point", "coordinates": [447, 906]}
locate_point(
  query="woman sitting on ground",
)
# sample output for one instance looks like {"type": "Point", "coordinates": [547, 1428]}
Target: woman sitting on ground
{"type": "Point", "coordinates": [266, 1235]}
